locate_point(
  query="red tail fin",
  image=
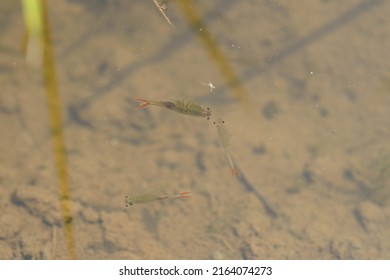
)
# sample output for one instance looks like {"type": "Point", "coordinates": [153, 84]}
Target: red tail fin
{"type": "Point", "coordinates": [184, 195]}
{"type": "Point", "coordinates": [143, 103]}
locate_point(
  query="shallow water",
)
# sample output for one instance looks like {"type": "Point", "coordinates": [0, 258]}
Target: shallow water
{"type": "Point", "coordinates": [303, 89]}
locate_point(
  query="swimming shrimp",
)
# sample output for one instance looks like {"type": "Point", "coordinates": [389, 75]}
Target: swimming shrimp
{"type": "Point", "coordinates": [224, 140]}
{"type": "Point", "coordinates": [151, 197]}
{"type": "Point", "coordinates": [183, 107]}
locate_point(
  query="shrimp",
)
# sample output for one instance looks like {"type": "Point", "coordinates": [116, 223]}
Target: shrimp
{"type": "Point", "coordinates": [224, 140]}
{"type": "Point", "coordinates": [183, 107]}
{"type": "Point", "coordinates": [151, 197]}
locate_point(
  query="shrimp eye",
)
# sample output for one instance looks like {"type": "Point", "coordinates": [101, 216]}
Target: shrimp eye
{"type": "Point", "coordinates": [169, 105]}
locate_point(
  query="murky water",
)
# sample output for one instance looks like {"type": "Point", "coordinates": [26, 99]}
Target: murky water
{"type": "Point", "coordinates": [304, 93]}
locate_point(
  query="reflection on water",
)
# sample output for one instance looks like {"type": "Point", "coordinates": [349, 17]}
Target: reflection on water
{"type": "Point", "coordinates": [313, 154]}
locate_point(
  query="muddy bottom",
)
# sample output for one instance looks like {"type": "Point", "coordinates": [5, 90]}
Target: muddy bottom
{"type": "Point", "coordinates": [304, 99]}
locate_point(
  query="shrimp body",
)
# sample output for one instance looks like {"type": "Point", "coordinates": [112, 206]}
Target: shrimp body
{"type": "Point", "coordinates": [183, 107]}
{"type": "Point", "coordinates": [151, 197]}
{"type": "Point", "coordinates": [224, 140]}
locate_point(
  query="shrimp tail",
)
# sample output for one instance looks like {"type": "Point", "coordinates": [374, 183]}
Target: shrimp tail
{"type": "Point", "coordinates": [162, 197]}
{"type": "Point", "coordinates": [143, 103]}
{"type": "Point", "coordinates": [183, 195]}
